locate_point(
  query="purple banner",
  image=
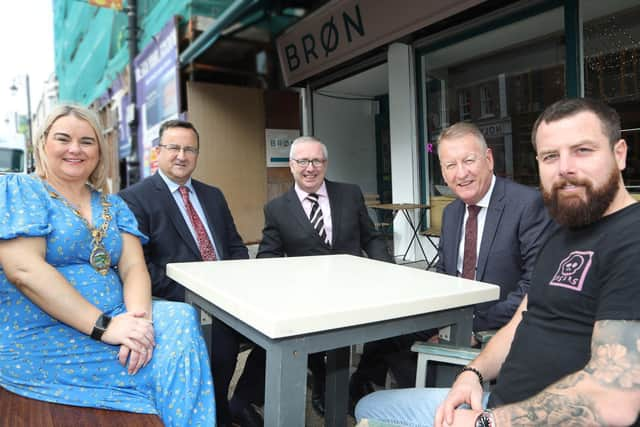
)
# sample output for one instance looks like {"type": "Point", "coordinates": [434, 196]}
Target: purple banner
{"type": "Point", "coordinates": [158, 92]}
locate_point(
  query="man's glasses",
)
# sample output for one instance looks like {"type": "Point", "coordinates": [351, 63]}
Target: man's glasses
{"type": "Point", "coordinates": [175, 149]}
{"type": "Point", "coordinates": [305, 162]}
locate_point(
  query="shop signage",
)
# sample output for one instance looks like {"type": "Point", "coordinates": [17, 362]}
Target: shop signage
{"type": "Point", "coordinates": [495, 128]}
{"type": "Point", "coordinates": [158, 92]}
{"type": "Point", "coordinates": [278, 144]}
{"type": "Point", "coordinates": [343, 29]}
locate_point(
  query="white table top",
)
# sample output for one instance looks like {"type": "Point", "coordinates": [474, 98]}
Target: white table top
{"type": "Point", "coordinates": [283, 297]}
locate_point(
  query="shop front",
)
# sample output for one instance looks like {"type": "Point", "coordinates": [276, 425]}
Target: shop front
{"type": "Point", "coordinates": [382, 79]}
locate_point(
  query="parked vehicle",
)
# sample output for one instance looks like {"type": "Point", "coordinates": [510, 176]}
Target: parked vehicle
{"type": "Point", "coordinates": [13, 154]}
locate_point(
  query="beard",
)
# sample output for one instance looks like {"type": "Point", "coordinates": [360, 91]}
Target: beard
{"type": "Point", "coordinates": [572, 211]}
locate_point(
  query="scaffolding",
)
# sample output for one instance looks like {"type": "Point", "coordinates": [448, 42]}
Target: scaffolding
{"type": "Point", "coordinates": [91, 42]}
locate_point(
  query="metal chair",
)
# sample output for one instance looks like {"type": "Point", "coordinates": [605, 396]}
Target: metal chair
{"type": "Point", "coordinates": [445, 353]}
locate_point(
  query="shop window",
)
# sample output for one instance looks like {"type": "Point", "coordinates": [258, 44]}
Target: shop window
{"type": "Point", "coordinates": [500, 80]}
{"type": "Point", "coordinates": [612, 69]}
{"type": "Point", "coordinates": [486, 102]}
{"type": "Point", "coordinates": [464, 105]}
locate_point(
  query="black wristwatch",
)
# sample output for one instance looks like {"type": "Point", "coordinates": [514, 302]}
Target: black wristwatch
{"type": "Point", "coordinates": [100, 327]}
{"type": "Point", "coordinates": [485, 419]}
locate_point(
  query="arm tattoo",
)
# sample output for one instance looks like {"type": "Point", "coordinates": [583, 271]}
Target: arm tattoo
{"type": "Point", "coordinates": [615, 354]}
{"type": "Point", "coordinates": [551, 409]}
{"type": "Point", "coordinates": [614, 365]}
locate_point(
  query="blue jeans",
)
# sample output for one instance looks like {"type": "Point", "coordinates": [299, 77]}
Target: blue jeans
{"type": "Point", "coordinates": [411, 407]}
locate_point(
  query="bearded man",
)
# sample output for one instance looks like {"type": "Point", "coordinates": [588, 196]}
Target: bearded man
{"type": "Point", "coordinates": [571, 352]}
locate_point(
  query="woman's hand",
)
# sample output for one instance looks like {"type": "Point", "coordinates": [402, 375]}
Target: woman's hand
{"type": "Point", "coordinates": [135, 334]}
{"type": "Point", "coordinates": [137, 360]}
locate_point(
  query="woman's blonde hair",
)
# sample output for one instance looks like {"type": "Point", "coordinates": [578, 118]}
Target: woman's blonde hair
{"type": "Point", "coordinates": [98, 178]}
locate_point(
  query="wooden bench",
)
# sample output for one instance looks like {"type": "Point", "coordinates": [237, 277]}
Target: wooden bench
{"type": "Point", "coordinates": [18, 411]}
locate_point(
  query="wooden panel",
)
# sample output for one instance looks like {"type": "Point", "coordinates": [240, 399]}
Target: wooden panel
{"type": "Point", "coordinates": [438, 203]}
{"type": "Point", "coordinates": [231, 124]}
{"type": "Point", "coordinates": [18, 411]}
{"type": "Point", "coordinates": [282, 109]}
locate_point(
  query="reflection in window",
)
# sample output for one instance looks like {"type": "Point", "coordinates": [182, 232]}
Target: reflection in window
{"type": "Point", "coordinates": [612, 70]}
{"type": "Point", "coordinates": [500, 80]}
{"type": "Point", "coordinates": [464, 105]}
{"type": "Point", "coordinates": [486, 101]}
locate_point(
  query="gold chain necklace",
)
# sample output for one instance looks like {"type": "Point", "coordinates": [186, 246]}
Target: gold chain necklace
{"type": "Point", "coordinates": [99, 259]}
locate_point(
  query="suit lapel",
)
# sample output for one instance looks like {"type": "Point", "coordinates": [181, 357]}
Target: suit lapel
{"type": "Point", "coordinates": [452, 251]}
{"type": "Point", "coordinates": [295, 207]}
{"type": "Point", "coordinates": [297, 211]}
{"type": "Point", "coordinates": [167, 200]}
{"type": "Point", "coordinates": [335, 203]}
{"type": "Point", "coordinates": [491, 222]}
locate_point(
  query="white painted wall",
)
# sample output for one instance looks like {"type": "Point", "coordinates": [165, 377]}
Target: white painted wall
{"type": "Point", "coordinates": [405, 170]}
{"type": "Point", "coordinates": [347, 127]}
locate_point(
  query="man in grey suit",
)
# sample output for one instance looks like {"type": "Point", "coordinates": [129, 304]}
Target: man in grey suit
{"type": "Point", "coordinates": [315, 217]}
{"type": "Point", "coordinates": [511, 224]}
{"type": "Point", "coordinates": [348, 228]}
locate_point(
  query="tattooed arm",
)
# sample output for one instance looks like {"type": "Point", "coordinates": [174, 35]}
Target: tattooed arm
{"type": "Point", "coordinates": [606, 392]}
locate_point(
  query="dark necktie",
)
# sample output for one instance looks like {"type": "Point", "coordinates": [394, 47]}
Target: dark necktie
{"type": "Point", "coordinates": [204, 244]}
{"type": "Point", "coordinates": [315, 216]}
{"type": "Point", "coordinates": [470, 243]}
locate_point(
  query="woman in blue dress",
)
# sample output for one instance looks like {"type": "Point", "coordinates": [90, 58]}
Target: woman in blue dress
{"type": "Point", "coordinates": [77, 325]}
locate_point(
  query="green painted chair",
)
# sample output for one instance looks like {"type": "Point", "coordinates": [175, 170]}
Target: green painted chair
{"type": "Point", "coordinates": [446, 353]}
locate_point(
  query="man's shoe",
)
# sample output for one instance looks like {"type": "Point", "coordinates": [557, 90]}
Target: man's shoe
{"type": "Point", "coordinates": [317, 403]}
{"type": "Point", "coordinates": [249, 417]}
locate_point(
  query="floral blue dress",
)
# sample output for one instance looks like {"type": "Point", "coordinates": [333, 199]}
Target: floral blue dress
{"type": "Point", "coordinates": [44, 359]}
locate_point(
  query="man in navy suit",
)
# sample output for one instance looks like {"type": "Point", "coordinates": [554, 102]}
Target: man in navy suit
{"type": "Point", "coordinates": [315, 217]}
{"type": "Point", "coordinates": [512, 224]}
{"type": "Point", "coordinates": [165, 205]}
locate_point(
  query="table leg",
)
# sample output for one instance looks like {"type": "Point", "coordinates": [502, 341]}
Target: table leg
{"type": "Point", "coordinates": [337, 386]}
{"type": "Point", "coordinates": [462, 330]}
{"type": "Point", "coordinates": [285, 391]}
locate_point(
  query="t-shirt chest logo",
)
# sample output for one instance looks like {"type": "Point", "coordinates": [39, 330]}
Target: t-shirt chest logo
{"type": "Point", "coordinates": [573, 270]}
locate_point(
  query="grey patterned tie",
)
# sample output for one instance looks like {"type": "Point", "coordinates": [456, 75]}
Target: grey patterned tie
{"type": "Point", "coordinates": [317, 221]}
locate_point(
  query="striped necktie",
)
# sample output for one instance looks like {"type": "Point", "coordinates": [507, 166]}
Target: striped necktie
{"type": "Point", "coordinates": [317, 221]}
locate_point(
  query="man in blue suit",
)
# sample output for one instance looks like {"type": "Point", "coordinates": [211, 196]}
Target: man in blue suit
{"type": "Point", "coordinates": [187, 220]}
{"type": "Point", "coordinates": [511, 224]}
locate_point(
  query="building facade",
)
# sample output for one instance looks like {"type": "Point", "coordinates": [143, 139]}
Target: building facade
{"type": "Point", "coordinates": [405, 70]}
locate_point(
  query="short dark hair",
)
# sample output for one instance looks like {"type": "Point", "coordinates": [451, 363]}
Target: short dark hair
{"type": "Point", "coordinates": [179, 124]}
{"type": "Point", "coordinates": [609, 118]}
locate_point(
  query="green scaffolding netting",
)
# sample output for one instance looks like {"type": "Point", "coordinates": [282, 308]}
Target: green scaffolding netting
{"type": "Point", "coordinates": [91, 42]}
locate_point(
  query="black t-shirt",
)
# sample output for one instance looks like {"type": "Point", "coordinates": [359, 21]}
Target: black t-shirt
{"type": "Point", "coordinates": [582, 275]}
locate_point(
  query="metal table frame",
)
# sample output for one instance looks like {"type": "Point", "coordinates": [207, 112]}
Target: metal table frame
{"type": "Point", "coordinates": [415, 227]}
{"type": "Point", "coordinates": [286, 369]}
